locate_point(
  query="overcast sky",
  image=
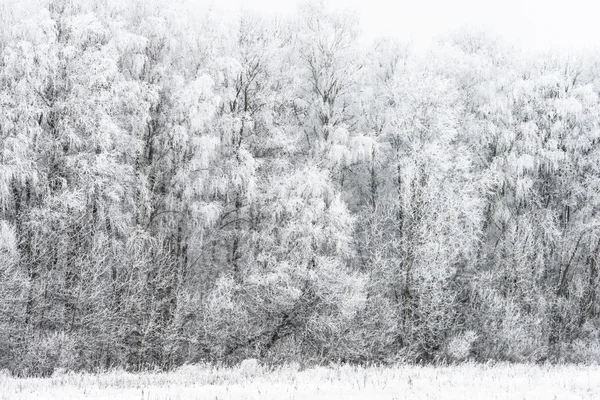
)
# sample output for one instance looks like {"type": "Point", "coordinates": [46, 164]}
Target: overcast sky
{"type": "Point", "coordinates": [537, 24]}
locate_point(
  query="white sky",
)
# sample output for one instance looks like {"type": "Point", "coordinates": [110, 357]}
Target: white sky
{"type": "Point", "coordinates": [535, 24]}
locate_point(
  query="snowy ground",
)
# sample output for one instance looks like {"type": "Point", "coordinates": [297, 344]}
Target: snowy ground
{"type": "Point", "coordinates": [337, 382]}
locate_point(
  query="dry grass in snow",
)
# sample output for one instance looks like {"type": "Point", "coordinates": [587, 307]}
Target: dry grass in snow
{"type": "Point", "coordinates": [469, 381]}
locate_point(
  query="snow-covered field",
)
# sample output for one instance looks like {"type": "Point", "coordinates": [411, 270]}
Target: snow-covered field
{"type": "Point", "coordinates": [470, 381]}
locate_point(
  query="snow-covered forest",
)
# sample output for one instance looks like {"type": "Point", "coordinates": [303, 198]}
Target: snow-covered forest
{"type": "Point", "coordinates": [182, 185]}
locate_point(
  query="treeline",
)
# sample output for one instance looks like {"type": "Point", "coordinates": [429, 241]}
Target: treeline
{"type": "Point", "coordinates": [177, 185]}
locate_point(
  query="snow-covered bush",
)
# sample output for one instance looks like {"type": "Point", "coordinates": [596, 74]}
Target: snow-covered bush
{"type": "Point", "coordinates": [460, 346]}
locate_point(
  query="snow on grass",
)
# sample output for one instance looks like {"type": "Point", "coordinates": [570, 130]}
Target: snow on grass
{"type": "Point", "coordinates": [468, 381]}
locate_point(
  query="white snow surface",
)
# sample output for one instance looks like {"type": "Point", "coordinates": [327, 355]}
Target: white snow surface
{"type": "Point", "coordinates": [467, 381]}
